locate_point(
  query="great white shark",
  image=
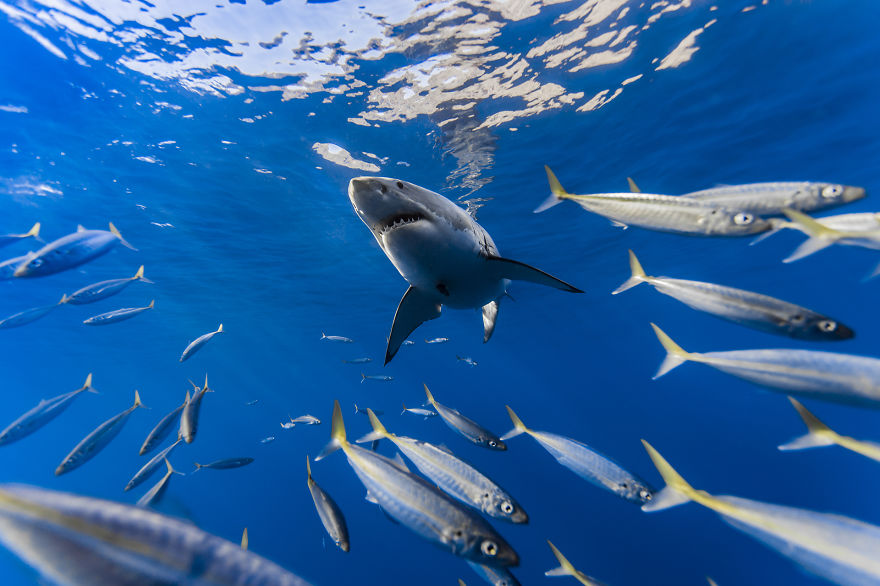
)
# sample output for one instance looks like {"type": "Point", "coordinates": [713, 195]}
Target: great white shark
{"type": "Point", "coordinates": [445, 255]}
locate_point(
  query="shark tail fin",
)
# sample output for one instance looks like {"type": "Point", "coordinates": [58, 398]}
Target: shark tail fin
{"type": "Point", "coordinates": [632, 185]}
{"type": "Point", "coordinates": [818, 434]}
{"type": "Point", "coordinates": [675, 354]}
{"type": "Point", "coordinates": [115, 232]}
{"type": "Point", "coordinates": [518, 426]}
{"type": "Point", "coordinates": [379, 431]}
{"type": "Point", "coordinates": [638, 275]}
{"type": "Point", "coordinates": [557, 192]}
{"type": "Point", "coordinates": [676, 492]}
{"type": "Point", "coordinates": [337, 433]}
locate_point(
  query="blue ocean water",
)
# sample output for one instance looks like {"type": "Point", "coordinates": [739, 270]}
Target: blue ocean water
{"type": "Point", "coordinates": [220, 137]}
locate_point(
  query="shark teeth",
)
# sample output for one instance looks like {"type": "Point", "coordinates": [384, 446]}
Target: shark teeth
{"type": "Point", "coordinates": [397, 221]}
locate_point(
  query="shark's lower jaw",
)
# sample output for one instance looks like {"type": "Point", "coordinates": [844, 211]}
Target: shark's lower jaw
{"type": "Point", "coordinates": [396, 221]}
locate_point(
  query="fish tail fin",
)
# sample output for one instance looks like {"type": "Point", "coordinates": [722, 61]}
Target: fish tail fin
{"type": "Point", "coordinates": [323, 336]}
{"type": "Point", "coordinates": [171, 469]}
{"type": "Point", "coordinates": [404, 409]}
{"type": "Point", "coordinates": [139, 276]}
{"type": "Point", "coordinates": [675, 354]}
{"type": "Point", "coordinates": [363, 378]}
{"type": "Point", "coordinates": [115, 232]}
{"type": "Point", "coordinates": [337, 433]}
{"type": "Point", "coordinates": [379, 431]}
{"type": "Point", "coordinates": [244, 539]}
{"type": "Point", "coordinates": [819, 236]}
{"type": "Point", "coordinates": [775, 226]}
{"type": "Point", "coordinates": [818, 434]}
{"type": "Point", "coordinates": [137, 401]}
{"type": "Point", "coordinates": [633, 188]}
{"type": "Point", "coordinates": [430, 397]}
{"type": "Point", "coordinates": [34, 232]}
{"type": "Point", "coordinates": [557, 192]}
{"type": "Point", "coordinates": [197, 465]}
{"type": "Point", "coordinates": [64, 299]}
{"type": "Point", "coordinates": [518, 426]}
{"type": "Point", "coordinates": [356, 410]}
{"type": "Point", "coordinates": [308, 468]}
{"type": "Point", "coordinates": [565, 568]}
{"type": "Point", "coordinates": [220, 329]}
{"type": "Point", "coordinates": [87, 386]}
{"type": "Point", "coordinates": [152, 304]}
{"type": "Point", "coordinates": [638, 274]}
{"type": "Point", "coordinates": [676, 492]}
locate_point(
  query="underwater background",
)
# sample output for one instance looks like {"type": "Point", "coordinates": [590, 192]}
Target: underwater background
{"type": "Point", "coordinates": [219, 137]}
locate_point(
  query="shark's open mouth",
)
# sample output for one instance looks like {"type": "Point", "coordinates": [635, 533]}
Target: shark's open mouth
{"type": "Point", "coordinates": [398, 220]}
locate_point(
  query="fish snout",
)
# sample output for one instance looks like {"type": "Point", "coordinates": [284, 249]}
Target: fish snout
{"type": "Point", "coordinates": [851, 193]}
{"type": "Point", "coordinates": [519, 516]}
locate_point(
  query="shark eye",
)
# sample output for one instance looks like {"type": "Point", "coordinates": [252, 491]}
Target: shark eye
{"type": "Point", "coordinates": [400, 184]}
{"type": "Point", "coordinates": [827, 325]}
{"type": "Point", "coordinates": [489, 548]}
{"type": "Point", "coordinates": [743, 218]}
{"type": "Point", "coordinates": [831, 191]}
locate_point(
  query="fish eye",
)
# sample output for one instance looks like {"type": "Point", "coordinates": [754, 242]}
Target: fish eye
{"type": "Point", "coordinates": [830, 191]}
{"type": "Point", "coordinates": [493, 443]}
{"type": "Point", "coordinates": [489, 548]}
{"type": "Point", "coordinates": [743, 218]}
{"type": "Point", "coordinates": [506, 507]}
{"type": "Point", "coordinates": [400, 184]}
{"type": "Point", "coordinates": [459, 533]}
{"type": "Point", "coordinates": [624, 485]}
{"type": "Point", "coordinates": [645, 495]}
{"type": "Point", "coordinates": [827, 325]}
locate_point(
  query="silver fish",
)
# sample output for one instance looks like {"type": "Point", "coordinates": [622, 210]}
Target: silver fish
{"type": "Point", "coordinates": [417, 411]}
{"type": "Point", "coordinates": [81, 541]}
{"type": "Point", "coordinates": [342, 339]}
{"type": "Point", "coordinates": [96, 441]}
{"type": "Point", "coordinates": [566, 569]}
{"type": "Point", "coordinates": [666, 213]}
{"type": "Point", "coordinates": [105, 289]}
{"type": "Point", "coordinates": [379, 377]}
{"type": "Point", "coordinates": [360, 411]}
{"type": "Point", "coordinates": [493, 575]}
{"type": "Point", "coordinates": [420, 506]}
{"type": "Point", "coordinates": [196, 344]}
{"type": "Point", "coordinates": [822, 236]}
{"type": "Point", "coordinates": [467, 428]}
{"type": "Point", "coordinates": [43, 413]}
{"type": "Point", "coordinates": [155, 494]}
{"type": "Point", "coordinates": [225, 464]}
{"type": "Point", "coordinates": [29, 315]}
{"type": "Point", "coordinates": [306, 420]}
{"type": "Point", "coordinates": [837, 548]}
{"type": "Point", "coordinates": [407, 343]}
{"type": "Point", "coordinates": [117, 315]}
{"type": "Point", "coordinates": [358, 361]}
{"type": "Point", "coordinates": [842, 378]}
{"type": "Point", "coordinates": [189, 415]}
{"type": "Point", "coordinates": [329, 512]}
{"type": "Point", "coordinates": [268, 439]}
{"type": "Point", "coordinates": [769, 199]}
{"type": "Point", "coordinates": [437, 341]}
{"type": "Point", "coordinates": [70, 251]}
{"type": "Point", "coordinates": [819, 434]}
{"type": "Point", "coordinates": [467, 360]}
{"type": "Point", "coordinates": [8, 266]}
{"type": "Point", "coordinates": [743, 307]}
{"type": "Point", "coordinates": [592, 466]}
{"type": "Point", "coordinates": [287, 425]}
{"type": "Point", "coordinates": [34, 232]}
{"type": "Point", "coordinates": [866, 223]}
{"type": "Point", "coordinates": [162, 429]}
{"type": "Point", "coordinates": [453, 475]}
{"type": "Point", "coordinates": [148, 469]}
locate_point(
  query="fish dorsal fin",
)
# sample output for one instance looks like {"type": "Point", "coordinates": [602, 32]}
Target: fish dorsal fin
{"type": "Point", "coordinates": [398, 461]}
{"type": "Point", "coordinates": [445, 448]}
{"type": "Point", "coordinates": [414, 309]}
{"type": "Point", "coordinates": [370, 498]}
{"type": "Point", "coordinates": [80, 228]}
{"type": "Point", "coordinates": [818, 434]}
{"type": "Point", "coordinates": [490, 316]}
{"type": "Point", "coordinates": [619, 224]}
{"type": "Point", "coordinates": [632, 185]}
{"type": "Point", "coordinates": [504, 268]}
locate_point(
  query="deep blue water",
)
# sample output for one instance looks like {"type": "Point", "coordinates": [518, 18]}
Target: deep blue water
{"type": "Point", "coordinates": [262, 238]}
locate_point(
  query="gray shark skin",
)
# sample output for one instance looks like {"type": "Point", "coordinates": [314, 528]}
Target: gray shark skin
{"type": "Point", "coordinates": [447, 258]}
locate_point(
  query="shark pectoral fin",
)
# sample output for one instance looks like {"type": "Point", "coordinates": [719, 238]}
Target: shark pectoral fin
{"type": "Point", "coordinates": [414, 309]}
{"type": "Point", "coordinates": [518, 271]}
{"type": "Point", "coordinates": [490, 314]}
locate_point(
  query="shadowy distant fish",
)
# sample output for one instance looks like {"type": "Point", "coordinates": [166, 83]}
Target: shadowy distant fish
{"type": "Point", "coordinates": [467, 360]}
{"type": "Point", "coordinates": [148, 469]}
{"type": "Point", "coordinates": [225, 464]}
{"type": "Point", "coordinates": [189, 415]}
{"type": "Point", "coordinates": [566, 569]}
{"type": "Point", "coordinates": [105, 289]}
{"type": "Point", "coordinates": [407, 343]}
{"type": "Point", "coordinates": [492, 575]}
{"type": "Point", "coordinates": [8, 266]}
{"type": "Point", "coordinates": [358, 361]}
{"type": "Point", "coordinates": [252, 403]}
{"type": "Point", "coordinates": [155, 494]}
{"type": "Point", "coordinates": [7, 239]}
{"type": "Point", "coordinates": [769, 199]}
{"type": "Point", "coordinates": [306, 420]}
{"type": "Point", "coordinates": [163, 428]}
{"type": "Point", "coordinates": [437, 341]}
{"type": "Point", "coordinates": [837, 548]}
{"type": "Point", "coordinates": [750, 309]}
{"type": "Point", "coordinates": [328, 511]}
{"type": "Point", "coordinates": [666, 213]}
{"type": "Point", "coordinates": [29, 315]}
{"type": "Point", "coordinates": [287, 425]}
{"type": "Point", "coordinates": [467, 428]}
{"type": "Point", "coordinates": [268, 439]}
{"type": "Point", "coordinates": [43, 413]}
{"type": "Point", "coordinates": [83, 541]}
{"type": "Point", "coordinates": [819, 435]}
{"type": "Point", "coordinates": [592, 466]}
{"type": "Point", "coordinates": [418, 411]}
{"type": "Point", "coordinates": [359, 411]}
{"type": "Point", "coordinates": [198, 343]}
{"type": "Point", "coordinates": [842, 378]}
{"type": "Point", "coordinates": [97, 440]}
{"type": "Point", "coordinates": [117, 315]}
{"type": "Point", "coordinates": [420, 506]}
{"type": "Point", "coordinates": [379, 377]}
{"type": "Point", "coordinates": [336, 338]}
{"type": "Point", "coordinates": [70, 251]}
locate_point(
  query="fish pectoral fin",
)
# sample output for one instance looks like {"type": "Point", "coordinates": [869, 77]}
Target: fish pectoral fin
{"type": "Point", "coordinates": [619, 224]}
{"type": "Point", "coordinates": [414, 309]}
{"type": "Point", "coordinates": [810, 440]}
{"type": "Point", "coordinates": [490, 315]}
{"type": "Point", "coordinates": [370, 498]}
{"type": "Point", "coordinates": [504, 268]}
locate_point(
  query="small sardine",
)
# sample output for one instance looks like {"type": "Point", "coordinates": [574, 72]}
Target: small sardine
{"type": "Point", "coordinates": [189, 415]}
{"type": "Point", "coordinates": [105, 289]}
{"type": "Point", "coordinates": [155, 494]}
{"type": "Point", "coordinates": [306, 420]}
{"type": "Point", "coordinates": [96, 441]}
{"type": "Point", "coordinates": [592, 466]}
{"type": "Point", "coordinates": [117, 315]}
{"type": "Point", "coordinates": [769, 199]}
{"type": "Point", "coordinates": [467, 428]}
{"type": "Point", "coordinates": [148, 469]}
{"type": "Point", "coordinates": [43, 413]}
{"type": "Point", "coordinates": [379, 377]}
{"type": "Point", "coordinates": [407, 343]}
{"type": "Point", "coordinates": [841, 378]}
{"type": "Point", "coordinates": [822, 234]}
{"type": "Point", "coordinates": [819, 434]}
{"type": "Point", "coordinates": [467, 360]}
{"type": "Point", "coordinates": [268, 439]}
{"type": "Point", "coordinates": [252, 403]}
{"type": "Point", "coordinates": [7, 239]}
{"type": "Point", "coordinates": [162, 429]}
{"type": "Point", "coordinates": [437, 341]}
{"type": "Point", "coordinates": [328, 511]}
{"type": "Point", "coordinates": [287, 425]}
{"type": "Point", "coordinates": [225, 464]}
{"type": "Point", "coordinates": [342, 339]}
{"type": "Point", "coordinates": [358, 361]}
{"type": "Point", "coordinates": [493, 575]}
{"type": "Point", "coordinates": [418, 411]}
{"type": "Point", "coordinates": [750, 309]}
{"type": "Point", "coordinates": [566, 569]}
{"type": "Point", "coordinates": [29, 315]}
{"type": "Point", "coordinates": [196, 344]}
{"type": "Point", "coordinates": [70, 251]}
